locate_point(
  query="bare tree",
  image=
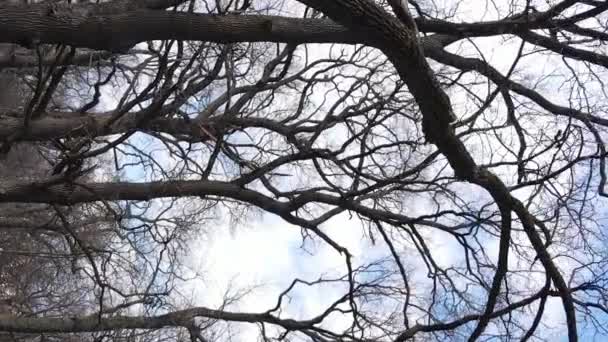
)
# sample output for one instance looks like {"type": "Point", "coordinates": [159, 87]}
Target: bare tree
{"type": "Point", "coordinates": [158, 117]}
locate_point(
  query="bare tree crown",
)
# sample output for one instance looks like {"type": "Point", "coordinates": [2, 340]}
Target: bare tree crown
{"type": "Point", "coordinates": [451, 157]}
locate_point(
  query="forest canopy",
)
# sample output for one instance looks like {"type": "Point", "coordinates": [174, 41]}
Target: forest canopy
{"type": "Point", "coordinates": [311, 170]}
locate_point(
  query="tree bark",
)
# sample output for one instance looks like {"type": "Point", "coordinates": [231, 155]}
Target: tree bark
{"type": "Point", "coordinates": [181, 318]}
{"type": "Point", "coordinates": [113, 29]}
{"type": "Point", "coordinates": [117, 25]}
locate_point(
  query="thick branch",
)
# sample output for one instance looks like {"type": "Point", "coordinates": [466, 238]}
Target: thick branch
{"type": "Point", "coordinates": [92, 125]}
{"type": "Point", "coordinates": [115, 31]}
{"type": "Point", "coordinates": [176, 319]}
{"type": "Point", "coordinates": [118, 25]}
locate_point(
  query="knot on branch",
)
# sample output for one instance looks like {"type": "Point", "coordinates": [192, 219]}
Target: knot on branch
{"type": "Point", "coordinates": [71, 15]}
